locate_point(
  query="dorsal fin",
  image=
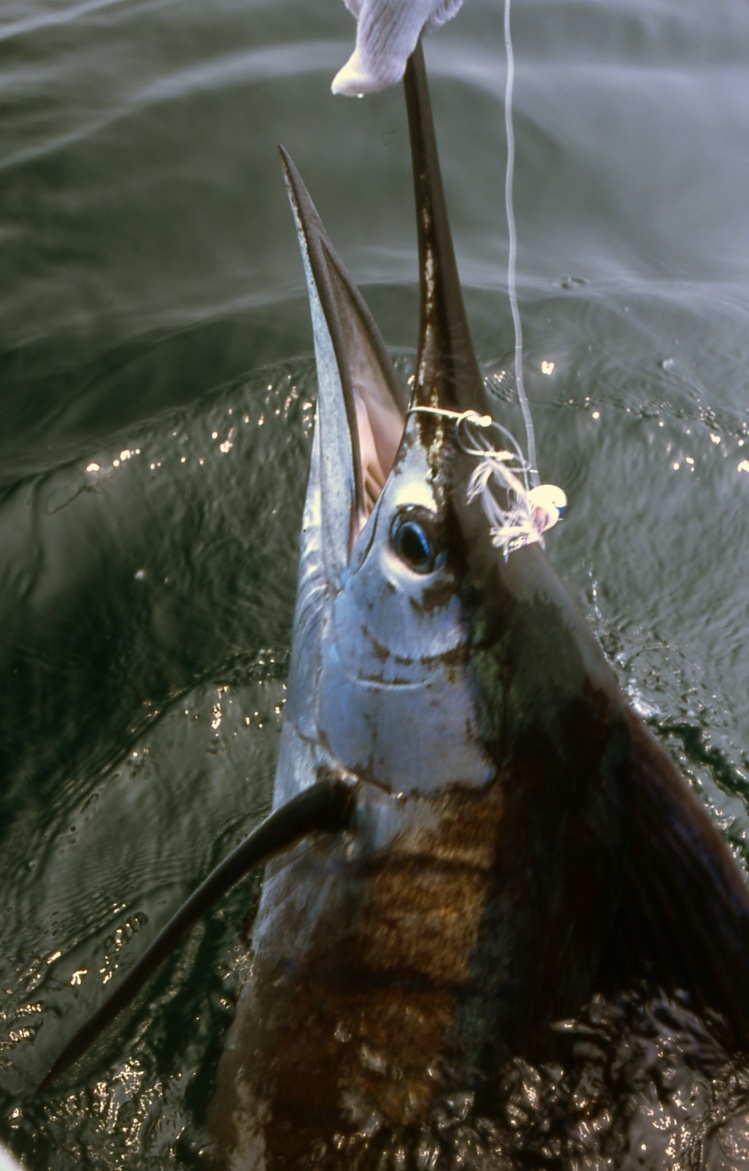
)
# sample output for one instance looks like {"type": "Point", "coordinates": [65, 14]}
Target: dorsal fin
{"type": "Point", "coordinates": [325, 806]}
{"type": "Point", "coordinates": [684, 911]}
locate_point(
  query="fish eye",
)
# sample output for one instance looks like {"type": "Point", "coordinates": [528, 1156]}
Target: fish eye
{"type": "Point", "coordinates": [414, 539]}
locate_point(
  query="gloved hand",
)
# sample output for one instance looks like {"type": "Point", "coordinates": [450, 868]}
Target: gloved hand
{"type": "Point", "coordinates": [386, 36]}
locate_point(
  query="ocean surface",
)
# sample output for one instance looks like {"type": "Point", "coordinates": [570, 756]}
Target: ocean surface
{"type": "Point", "coordinates": [156, 400]}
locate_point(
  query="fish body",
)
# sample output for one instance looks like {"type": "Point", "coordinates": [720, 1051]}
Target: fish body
{"type": "Point", "coordinates": [455, 687]}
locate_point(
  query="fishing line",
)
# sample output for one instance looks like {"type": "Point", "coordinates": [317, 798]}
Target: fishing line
{"type": "Point", "coordinates": [513, 249]}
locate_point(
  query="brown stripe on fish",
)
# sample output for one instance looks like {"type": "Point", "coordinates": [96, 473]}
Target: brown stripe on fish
{"type": "Point", "coordinates": [366, 1033]}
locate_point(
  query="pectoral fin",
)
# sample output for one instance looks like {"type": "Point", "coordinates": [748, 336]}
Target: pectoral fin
{"type": "Point", "coordinates": [326, 806]}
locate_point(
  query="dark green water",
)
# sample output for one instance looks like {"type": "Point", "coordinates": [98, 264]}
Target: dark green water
{"type": "Point", "coordinates": [157, 390]}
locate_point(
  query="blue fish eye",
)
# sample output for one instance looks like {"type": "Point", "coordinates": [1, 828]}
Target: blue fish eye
{"type": "Point", "coordinates": [413, 539]}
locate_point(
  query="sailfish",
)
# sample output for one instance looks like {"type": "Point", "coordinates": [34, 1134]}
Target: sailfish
{"type": "Point", "coordinates": [472, 831]}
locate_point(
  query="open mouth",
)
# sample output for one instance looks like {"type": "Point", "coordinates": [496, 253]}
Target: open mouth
{"type": "Point", "coordinates": [360, 412]}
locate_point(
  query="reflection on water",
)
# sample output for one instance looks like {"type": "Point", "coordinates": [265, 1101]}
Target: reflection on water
{"type": "Point", "coordinates": [151, 496]}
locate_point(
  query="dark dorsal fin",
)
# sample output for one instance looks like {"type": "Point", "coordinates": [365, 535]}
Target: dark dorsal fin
{"type": "Point", "coordinates": [325, 806]}
{"type": "Point", "coordinates": [685, 903]}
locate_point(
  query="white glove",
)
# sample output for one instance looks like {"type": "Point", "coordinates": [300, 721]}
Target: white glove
{"type": "Point", "coordinates": [386, 37]}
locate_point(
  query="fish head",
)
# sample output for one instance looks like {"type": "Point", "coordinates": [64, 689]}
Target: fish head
{"type": "Point", "coordinates": [380, 643]}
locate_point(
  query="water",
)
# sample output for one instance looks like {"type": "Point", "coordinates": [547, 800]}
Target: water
{"type": "Point", "coordinates": [156, 407]}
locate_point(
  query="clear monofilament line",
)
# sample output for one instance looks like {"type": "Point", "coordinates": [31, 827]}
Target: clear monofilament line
{"type": "Point", "coordinates": [512, 251]}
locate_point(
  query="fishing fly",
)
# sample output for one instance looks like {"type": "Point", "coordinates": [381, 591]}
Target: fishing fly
{"type": "Point", "coordinates": [519, 511]}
